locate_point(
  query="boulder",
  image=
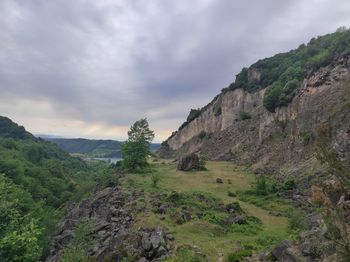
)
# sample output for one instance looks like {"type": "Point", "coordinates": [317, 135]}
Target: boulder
{"type": "Point", "coordinates": [285, 252]}
{"type": "Point", "coordinates": [190, 163]}
{"type": "Point", "coordinates": [219, 180]}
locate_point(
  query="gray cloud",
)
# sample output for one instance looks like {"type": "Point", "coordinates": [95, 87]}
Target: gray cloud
{"type": "Point", "coordinates": [112, 62]}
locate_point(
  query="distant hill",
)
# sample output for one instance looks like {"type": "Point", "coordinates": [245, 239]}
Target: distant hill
{"type": "Point", "coordinates": [91, 147]}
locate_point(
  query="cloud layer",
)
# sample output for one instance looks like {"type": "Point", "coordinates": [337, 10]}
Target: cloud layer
{"type": "Point", "coordinates": [91, 68]}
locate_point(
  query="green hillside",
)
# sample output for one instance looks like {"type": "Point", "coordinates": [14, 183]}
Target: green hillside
{"type": "Point", "coordinates": [36, 178]}
{"type": "Point", "coordinates": [91, 147]}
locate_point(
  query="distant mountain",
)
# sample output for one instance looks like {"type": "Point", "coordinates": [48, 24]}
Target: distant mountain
{"type": "Point", "coordinates": [91, 147]}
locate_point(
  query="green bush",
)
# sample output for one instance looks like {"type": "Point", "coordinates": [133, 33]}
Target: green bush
{"type": "Point", "coordinates": [231, 194]}
{"type": "Point", "coordinates": [244, 115]}
{"type": "Point", "coordinates": [239, 255]}
{"type": "Point", "coordinates": [261, 186]}
{"type": "Point", "coordinates": [202, 135]}
{"type": "Point", "coordinates": [272, 96]}
{"type": "Point", "coordinates": [214, 217]}
{"type": "Point", "coordinates": [296, 220]}
{"type": "Point", "coordinates": [289, 184]}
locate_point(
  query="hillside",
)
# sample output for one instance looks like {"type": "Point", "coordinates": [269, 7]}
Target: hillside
{"type": "Point", "coordinates": [91, 147]}
{"type": "Point", "coordinates": [270, 116]}
{"type": "Point", "coordinates": [36, 179]}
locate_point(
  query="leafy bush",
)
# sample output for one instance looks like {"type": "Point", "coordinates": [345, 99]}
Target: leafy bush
{"type": "Point", "coordinates": [214, 217]}
{"type": "Point", "coordinates": [272, 96]}
{"type": "Point", "coordinates": [244, 115]}
{"type": "Point", "coordinates": [296, 220]}
{"type": "Point", "coordinates": [261, 186]}
{"type": "Point", "coordinates": [202, 161]}
{"type": "Point", "coordinates": [231, 194]}
{"type": "Point", "coordinates": [239, 255]}
{"type": "Point", "coordinates": [289, 184]}
{"type": "Point", "coordinates": [202, 135]}
{"type": "Point", "coordinates": [252, 226]}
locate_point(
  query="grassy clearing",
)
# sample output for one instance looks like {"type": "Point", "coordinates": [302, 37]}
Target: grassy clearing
{"type": "Point", "coordinates": [213, 239]}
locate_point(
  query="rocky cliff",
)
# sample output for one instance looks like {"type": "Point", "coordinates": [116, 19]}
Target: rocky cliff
{"type": "Point", "coordinates": [236, 125]}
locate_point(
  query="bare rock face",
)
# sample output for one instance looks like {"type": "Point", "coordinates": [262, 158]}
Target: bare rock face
{"type": "Point", "coordinates": [109, 214]}
{"type": "Point", "coordinates": [189, 163]}
{"type": "Point", "coordinates": [271, 140]}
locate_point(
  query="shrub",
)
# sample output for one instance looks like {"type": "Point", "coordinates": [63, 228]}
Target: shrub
{"type": "Point", "coordinates": [306, 137]}
{"type": "Point", "coordinates": [214, 217]}
{"type": "Point", "coordinates": [202, 135]}
{"type": "Point", "coordinates": [244, 115]}
{"type": "Point", "coordinates": [272, 96]}
{"type": "Point", "coordinates": [202, 161]}
{"type": "Point", "coordinates": [261, 186]}
{"type": "Point", "coordinates": [155, 179]}
{"type": "Point", "coordinates": [231, 194]}
{"type": "Point", "coordinates": [239, 255]}
{"type": "Point", "coordinates": [289, 184]}
{"type": "Point", "coordinates": [296, 220]}
{"type": "Point", "coordinates": [218, 111]}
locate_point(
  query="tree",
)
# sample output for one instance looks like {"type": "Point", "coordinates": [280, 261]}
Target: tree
{"type": "Point", "coordinates": [136, 149]}
{"type": "Point", "coordinates": [272, 95]}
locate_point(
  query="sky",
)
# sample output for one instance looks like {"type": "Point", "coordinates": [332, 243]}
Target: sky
{"type": "Point", "coordinates": [88, 68]}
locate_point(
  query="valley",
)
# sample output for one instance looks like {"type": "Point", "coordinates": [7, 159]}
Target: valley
{"type": "Point", "coordinates": [261, 173]}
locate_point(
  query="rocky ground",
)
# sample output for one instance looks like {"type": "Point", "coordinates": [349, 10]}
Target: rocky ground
{"type": "Point", "coordinates": [114, 237]}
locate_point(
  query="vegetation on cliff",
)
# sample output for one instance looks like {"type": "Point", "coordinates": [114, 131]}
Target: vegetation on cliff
{"type": "Point", "coordinates": [282, 74]}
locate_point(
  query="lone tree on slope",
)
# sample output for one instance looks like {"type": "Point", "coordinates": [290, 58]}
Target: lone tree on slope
{"type": "Point", "coordinates": [136, 149]}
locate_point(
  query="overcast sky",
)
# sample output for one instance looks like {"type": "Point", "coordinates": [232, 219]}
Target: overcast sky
{"type": "Point", "coordinates": [80, 68]}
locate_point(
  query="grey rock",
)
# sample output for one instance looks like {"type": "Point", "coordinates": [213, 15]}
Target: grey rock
{"type": "Point", "coordinates": [189, 163]}
{"type": "Point", "coordinates": [155, 241]}
{"type": "Point", "coordinates": [282, 253]}
{"type": "Point", "coordinates": [146, 243]}
{"type": "Point", "coordinates": [170, 237]}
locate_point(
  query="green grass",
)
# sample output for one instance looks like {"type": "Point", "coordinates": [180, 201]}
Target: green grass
{"type": "Point", "coordinates": [207, 233]}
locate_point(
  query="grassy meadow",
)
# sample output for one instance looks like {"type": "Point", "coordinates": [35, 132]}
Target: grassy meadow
{"type": "Point", "coordinates": [207, 238]}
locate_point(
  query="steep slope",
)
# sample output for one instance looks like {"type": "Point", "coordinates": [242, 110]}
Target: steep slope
{"type": "Point", "coordinates": [36, 177]}
{"type": "Point", "coordinates": [242, 124]}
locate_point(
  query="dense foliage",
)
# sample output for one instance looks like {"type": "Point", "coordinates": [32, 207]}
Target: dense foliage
{"type": "Point", "coordinates": [136, 149]}
{"type": "Point", "coordinates": [36, 178]}
{"type": "Point", "coordinates": [283, 73]}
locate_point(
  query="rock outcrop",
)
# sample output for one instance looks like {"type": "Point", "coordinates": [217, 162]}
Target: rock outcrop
{"type": "Point", "coordinates": [109, 214]}
{"type": "Point", "coordinates": [190, 162]}
{"type": "Point", "coordinates": [271, 140]}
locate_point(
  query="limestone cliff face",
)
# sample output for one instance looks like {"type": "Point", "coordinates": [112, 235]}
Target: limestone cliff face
{"type": "Point", "coordinates": [223, 132]}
